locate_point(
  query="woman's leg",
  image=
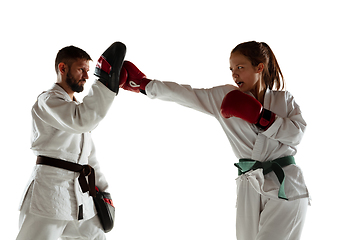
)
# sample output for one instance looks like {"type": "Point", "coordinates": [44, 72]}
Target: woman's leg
{"type": "Point", "coordinates": [247, 211]}
{"type": "Point", "coordinates": [282, 219]}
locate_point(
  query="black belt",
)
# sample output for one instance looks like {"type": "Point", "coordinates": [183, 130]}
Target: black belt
{"type": "Point", "coordinates": [84, 170]}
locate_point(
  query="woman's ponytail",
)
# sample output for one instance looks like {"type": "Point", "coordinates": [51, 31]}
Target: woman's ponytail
{"type": "Point", "coordinates": [272, 75]}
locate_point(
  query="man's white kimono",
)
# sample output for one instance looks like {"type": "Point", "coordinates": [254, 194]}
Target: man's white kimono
{"type": "Point", "coordinates": [61, 129]}
{"type": "Point", "coordinates": [247, 141]}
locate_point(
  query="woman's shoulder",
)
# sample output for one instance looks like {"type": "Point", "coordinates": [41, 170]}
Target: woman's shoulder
{"type": "Point", "coordinates": [281, 94]}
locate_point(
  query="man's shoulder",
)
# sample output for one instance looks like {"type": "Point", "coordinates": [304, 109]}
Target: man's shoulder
{"type": "Point", "coordinates": [54, 92]}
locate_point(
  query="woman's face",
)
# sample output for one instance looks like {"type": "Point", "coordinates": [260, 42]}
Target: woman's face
{"type": "Point", "coordinates": [246, 76]}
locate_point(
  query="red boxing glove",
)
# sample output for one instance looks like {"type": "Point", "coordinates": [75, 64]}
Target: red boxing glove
{"type": "Point", "coordinates": [246, 107]}
{"type": "Point", "coordinates": [132, 79]}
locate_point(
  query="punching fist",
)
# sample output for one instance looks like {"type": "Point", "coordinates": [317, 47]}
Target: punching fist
{"type": "Point", "coordinates": [132, 79]}
{"type": "Point", "coordinates": [109, 65]}
{"type": "Point", "coordinates": [241, 105]}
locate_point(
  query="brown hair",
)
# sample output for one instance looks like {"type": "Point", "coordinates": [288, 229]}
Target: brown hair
{"type": "Point", "coordinates": [260, 52]}
{"type": "Point", "coordinates": [68, 55]}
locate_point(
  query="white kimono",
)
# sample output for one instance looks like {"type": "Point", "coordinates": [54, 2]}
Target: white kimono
{"type": "Point", "coordinates": [247, 141]}
{"type": "Point", "coordinates": [61, 129]}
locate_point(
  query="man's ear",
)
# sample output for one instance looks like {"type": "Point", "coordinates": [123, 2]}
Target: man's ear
{"type": "Point", "coordinates": [260, 68]}
{"type": "Point", "coordinates": [62, 67]}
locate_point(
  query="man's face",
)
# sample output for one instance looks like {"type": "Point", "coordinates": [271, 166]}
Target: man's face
{"type": "Point", "coordinates": [77, 75]}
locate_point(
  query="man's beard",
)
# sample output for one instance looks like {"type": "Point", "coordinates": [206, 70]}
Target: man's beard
{"type": "Point", "coordinates": [72, 84]}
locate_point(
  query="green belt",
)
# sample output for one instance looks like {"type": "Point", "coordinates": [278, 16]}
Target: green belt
{"type": "Point", "coordinates": [275, 166]}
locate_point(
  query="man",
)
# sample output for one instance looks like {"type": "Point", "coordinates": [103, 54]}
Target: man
{"type": "Point", "coordinates": [55, 202]}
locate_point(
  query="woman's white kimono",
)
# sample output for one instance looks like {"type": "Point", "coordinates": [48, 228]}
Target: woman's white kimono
{"type": "Point", "coordinates": [247, 141]}
{"type": "Point", "coordinates": [61, 129]}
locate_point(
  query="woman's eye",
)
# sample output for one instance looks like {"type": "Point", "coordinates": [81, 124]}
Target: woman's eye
{"type": "Point", "coordinates": [239, 67]}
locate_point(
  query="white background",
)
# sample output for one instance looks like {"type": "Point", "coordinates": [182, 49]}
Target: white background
{"type": "Point", "coordinates": [171, 168]}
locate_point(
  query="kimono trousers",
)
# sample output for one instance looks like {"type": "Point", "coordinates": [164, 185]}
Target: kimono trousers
{"type": "Point", "coordinates": [61, 129]}
{"type": "Point", "coordinates": [260, 213]}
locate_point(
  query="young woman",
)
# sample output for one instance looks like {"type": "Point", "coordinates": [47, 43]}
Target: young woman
{"type": "Point", "coordinates": [264, 126]}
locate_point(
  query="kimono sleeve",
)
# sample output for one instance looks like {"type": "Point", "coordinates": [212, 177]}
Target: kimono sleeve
{"type": "Point", "coordinates": [289, 126]}
{"type": "Point", "coordinates": [204, 100]}
{"type": "Point", "coordinates": [55, 110]}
